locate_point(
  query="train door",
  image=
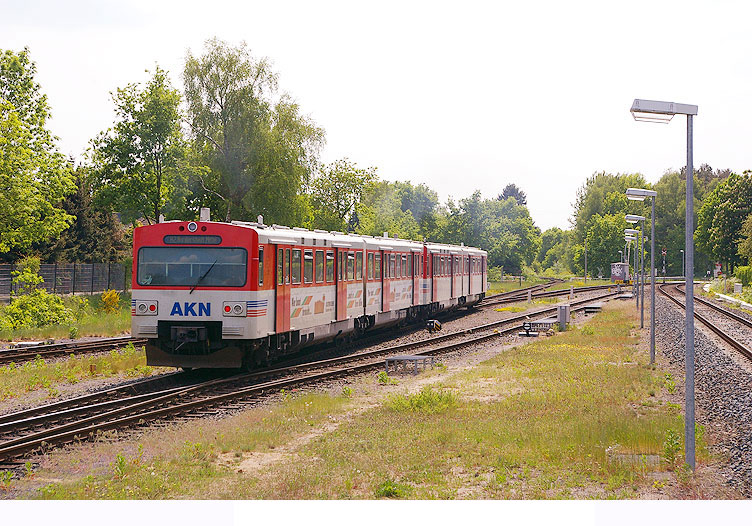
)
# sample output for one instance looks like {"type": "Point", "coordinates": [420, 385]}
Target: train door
{"type": "Point", "coordinates": [469, 275]}
{"type": "Point", "coordinates": [282, 301]}
{"type": "Point", "coordinates": [452, 270]}
{"type": "Point", "coordinates": [432, 275]}
{"type": "Point", "coordinates": [340, 276]}
{"type": "Point", "coordinates": [416, 278]}
{"type": "Point", "coordinates": [385, 303]}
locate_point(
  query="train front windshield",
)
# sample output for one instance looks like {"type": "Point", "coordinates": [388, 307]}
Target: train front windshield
{"type": "Point", "coordinates": [192, 266]}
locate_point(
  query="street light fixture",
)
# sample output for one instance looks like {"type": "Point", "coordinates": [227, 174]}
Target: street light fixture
{"type": "Point", "coordinates": [638, 257]}
{"type": "Point", "coordinates": [631, 218]}
{"type": "Point", "coordinates": [640, 194]}
{"type": "Point", "coordinates": [658, 111]}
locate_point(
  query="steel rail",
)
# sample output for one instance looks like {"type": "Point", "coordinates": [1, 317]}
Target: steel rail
{"type": "Point", "coordinates": [747, 353]}
{"type": "Point", "coordinates": [22, 354]}
{"type": "Point", "coordinates": [120, 418]}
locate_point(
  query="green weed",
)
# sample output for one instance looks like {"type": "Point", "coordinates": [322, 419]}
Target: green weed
{"type": "Point", "coordinates": [427, 401]}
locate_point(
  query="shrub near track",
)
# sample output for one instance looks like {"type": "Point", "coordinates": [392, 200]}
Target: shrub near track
{"type": "Point", "coordinates": [555, 418]}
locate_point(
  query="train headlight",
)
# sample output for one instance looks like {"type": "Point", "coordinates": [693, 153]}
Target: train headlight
{"type": "Point", "coordinates": [233, 308]}
{"type": "Point", "coordinates": [147, 308]}
{"type": "Point", "coordinates": [192, 226]}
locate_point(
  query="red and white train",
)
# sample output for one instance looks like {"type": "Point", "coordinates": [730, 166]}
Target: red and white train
{"type": "Point", "coordinates": [238, 294]}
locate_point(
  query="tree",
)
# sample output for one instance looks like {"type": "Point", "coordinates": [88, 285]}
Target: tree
{"type": "Point", "coordinates": [745, 245]}
{"type": "Point", "coordinates": [34, 176]}
{"type": "Point", "coordinates": [95, 235]}
{"type": "Point", "coordinates": [138, 161]}
{"type": "Point", "coordinates": [720, 220]}
{"type": "Point", "coordinates": [335, 192]}
{"type": "Point", "coordinates": [381, 210]}
{"type": "Point", "coordinates": [605, 237]}
{"type": "Point", "coordinates": [512, 190]}
{"type": "Point", "coordinates": [552, 253]}
{"type": "Point", "coordinates": [258, 152]}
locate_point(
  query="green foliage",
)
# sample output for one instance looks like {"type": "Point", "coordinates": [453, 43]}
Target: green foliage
{"type": "Point", "coordinates": [139, 161]}
{"type": "Point", "coordinates": [335, 192]}
{"type": "Point", "coordinates": [26, 276]}
{"type": "Point", "coordinates": [669, 383]}
{"type": "Point", "coordinates": [347, 391]}
{"type": "Point", "coordinates": [427, 401]}
{"type": "Point", "coordinates": [514, 191]}
{"type": "Point", "coordinates": [34, 176]}
{"type": "Point", "coordinates": [96, 235]}
{"type": "Point", "coordinates": [721, 217]}
{"type": "Point", "coordinates": [745, 243]}
{"type": "Point", "coordinates": [257, 152]}
{"type": "Point", "coordinates": [385, 379]}
{"type": "Point", "coordinates": [553, 249]}
{"type": "Point", "coordinates": [671, 448]}
{"type": "Point", "coordinates": [32, 307]}
{"type": "Point", "coordinates": [744, 274]}
{"type": "Point", "coordinates": [503, 228]}
{"type": "Point", "coordinates": [391, 490]}
{"type": "Point", "coordinates": [6, 477]}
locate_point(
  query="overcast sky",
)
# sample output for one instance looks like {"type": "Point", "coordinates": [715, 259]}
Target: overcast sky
{"type": "Point", "coordinates": [460, 96]}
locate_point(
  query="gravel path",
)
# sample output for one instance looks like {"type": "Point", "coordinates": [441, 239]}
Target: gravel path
{"type": "Point", "coordinates": [722, 391]}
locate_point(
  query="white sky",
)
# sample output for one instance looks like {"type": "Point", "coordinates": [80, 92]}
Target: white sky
{"type": "Point", "coordinates": [460, 96]}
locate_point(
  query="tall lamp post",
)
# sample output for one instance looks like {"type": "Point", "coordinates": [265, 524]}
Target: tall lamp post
{"type": "Point", "coordinates": [639, 194]}
{"type": "Point", "coordinates": [630, 218]}
{"type": "Point", "coordinates": [638, 258]}
{"type": "Point", "coordinates": [659, 111]}
{"type": "Point", "coordinates": [629, 240]}
{"type": "Point", "coordinates": [621, 256]}
{"type": "Point", "coordinates": [682, 252]}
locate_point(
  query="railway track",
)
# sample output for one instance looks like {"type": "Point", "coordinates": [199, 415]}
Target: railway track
{"type": "Point", "coordinates": [494, 300]}
{"type": "Point", "coordinates": [138, 404]}
{"type": "Point", "coordinates": [720, 326]}
{"type": "Point", "coordinates": [53, 350]}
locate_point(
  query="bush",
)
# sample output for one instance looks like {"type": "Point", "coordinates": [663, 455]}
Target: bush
{"type": "Point", "coordinates": [110, 301]}
{"type": "Point", "coordinates": [38, 308]}
{"type": "Point", "coordinates": [26, 276]}
{"type": "Point", "coordinates": [744, 274]}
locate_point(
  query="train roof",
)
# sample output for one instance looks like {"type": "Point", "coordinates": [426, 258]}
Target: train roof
{"type": "Point", "coordinates": [297, 235]}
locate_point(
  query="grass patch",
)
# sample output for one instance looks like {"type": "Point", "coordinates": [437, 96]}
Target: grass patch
{"type": "Point", "coordinates": [197, 459]}
{"type": "Point", "coordinates": [555, 418]}
{"type": "Point", "coordinates": [39, 374]}
{"type": "Point", "coordinates": [91, 319]}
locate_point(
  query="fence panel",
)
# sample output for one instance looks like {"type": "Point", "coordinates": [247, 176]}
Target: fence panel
{"type": "Point", "coordinates": [71, 278]}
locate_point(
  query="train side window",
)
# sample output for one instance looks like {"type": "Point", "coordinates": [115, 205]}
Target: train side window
{"type": "Point", "coordinates": [319, 266]}
{"type": "Point", "coordinates": [398, 267]}
{"type": "Point", "coordinates": [410, 269]}
{"type": "Point", "coordinates": [350, 266]}
{"type": "Point", "coordinates": [287, 266]}
{"type": "Point", "coordinates": [340, 266]}
{"type": "Point", "coordinates": [296, 265]}
{"type": "Point", "coordinates": [391, 265]}
{"type": "Point", "coordinates": [359, 266]}
{"type": "Point", "coordinates": [308, 266]}
{"type": "Point", "coordinates": [377, 266]}
{"type": "Point", "coordinates": [404, 266]}
{"type": "Point", "coordinates": [261, 266]}
{"type": "Point", "coordinates": [370, 265]}
{"type": "Point", "coordinates": [329, 266]}
{"type": "Point", "coordinates": [280, 274]}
